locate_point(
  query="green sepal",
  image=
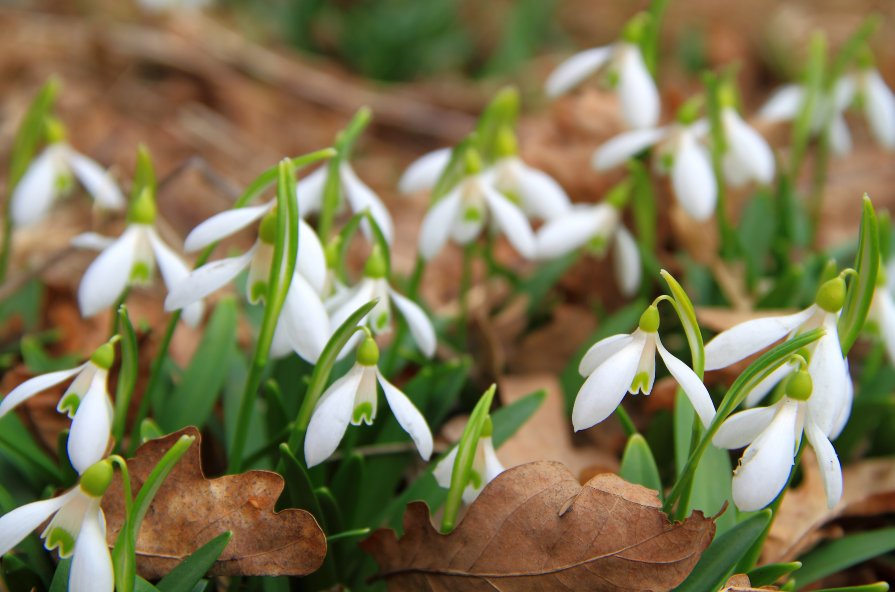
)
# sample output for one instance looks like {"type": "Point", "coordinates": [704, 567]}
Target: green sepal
{"type": "Point", "coordinates": [501, 113]}
{"type": "Point", "coordinates": [639, 465]}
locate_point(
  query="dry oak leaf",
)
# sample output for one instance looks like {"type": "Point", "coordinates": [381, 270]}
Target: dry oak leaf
{"type": "Point", "coordinates": [536, 528]}
{"type": "Point", "coordinates": [741, 583]}
{"type": "Point", "coordinates": [189, 510]}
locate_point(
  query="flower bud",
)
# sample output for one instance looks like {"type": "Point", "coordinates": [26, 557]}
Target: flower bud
{"type": "Point", "coordinates": [472, 161]}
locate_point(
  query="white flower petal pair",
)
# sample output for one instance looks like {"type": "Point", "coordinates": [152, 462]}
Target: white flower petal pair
{"type": "Point", "coordinates": [539, 195]}
{"type": "Point", "coordinates": [626, 363]}
{"type": "Point", "coordinates": [359, 196]}
{"type": "Point", "coordinates": [485, 468]}
{"type": "Point", "coordinates": [353, 399]}
{"type": "Point", "coordinates": [40, 184]}
{"type": "Point", "coordinates": [463, 213]}
{"type": "Point", "coordinates": [637, 91]}
{"type": "Point", "coordinates": [748, 157]}
{"type": "Point", "coordinates": [584, 224]}
{"type": "Point", "coordinates": [126, 260]}
{"type": "Point", "coordinates": [91, 424]}
{"type": "Point", "coordinates": [78, 530]}
{"type": "Point", "coordinates": [691, 172]}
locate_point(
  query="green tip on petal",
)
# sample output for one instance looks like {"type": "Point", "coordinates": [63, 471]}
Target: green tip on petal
{"type": "Point", "coordinates": [376, 267]}
{"type": "Point", "coordinates": [61, 539]}
{"type": "Point", "coordinates": [640, 383]}
{"type": "Point", "coordinates": [475, 479]}
{"type": "Point", "coordinates": [799, 386]}
{"type": "Point", "coordinates": [257, 292]}
{"type": "Point", "coordinates": [104, 356]}
{"type": "Point", "coordinates": [143, 209]}
{"type": "Point", "coordinates": [267, 231]}
{"type": "Point", "coordinates": [368, 352]}
{"type": "Point", "coordinates": [69, 404]}
{"type": "Point", "coordinates": [362, 413]}
{"type": "Point", "coordinates": [831, 295]}
{"type": "Point", "coordinates": [96, 479]}
{"type": "Point", "coordinates": [140, 273]}
{"type": "Point", "coordinates": [649, 320]}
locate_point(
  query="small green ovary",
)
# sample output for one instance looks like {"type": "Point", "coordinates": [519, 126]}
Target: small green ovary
{"type": "Point", "coordinates": [60, 539]}
{"type": "Point", "coordinates": [363, 413]}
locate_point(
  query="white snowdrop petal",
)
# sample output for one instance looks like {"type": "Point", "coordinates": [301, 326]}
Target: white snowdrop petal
{"type": "Point", "coordinates": [32, 386]}
{"type": "Point", "coordinates": [437, 223]}
{"type": "Point", "coordinates": [96, 180]}
{"type": "Point", "coordinates": [408, 416]}
{"type": "Point", "coordinates": [417, 321]}
{"type": "Point", "coordinates": [784, 104]}
{"type": "Point", "coordinates": [361, 198]}
{"type": "Point", "coordinates": [223, 225]}
{"type": "Point", "coordinates": [362, 293]}
{"type": "Point", "coordinates": [840, 137]}
{"type": "Point", "coordinates": [693, 179]}
{"type": "Point", "coordinates": [17, 524]}
{"type": "Point", "coordinates": [605, 388]}
{"type": "Point", "coordinates": [206, 279]}
{"type": "Point", "coordinates": [760, 390]}
{"type": "Point", "coordinates": [741, 428]}
{"type": "Point", "coordinates": [280, 345]}
{"type": "Point", "coordinates": [827, 461]}
{"type": "Point", "coordinates": [624, 146]}
{"type": "Point", "coordinates": [423, 173]}
{"type": "Point", "coordinates": [92, 241]}
{"type": "Point", "coordinates": [91, 567]}
{"type": "Point", "coordinates": [512, 222]}
{"type": "Point", "coordinates": [690, 383]}
{"type": "Point", "coordinates": [108, 275]}
{"type": "Point", "coordinates": [767, 462]}
{"type": "Point", "coordinates": [311, 258]}
{"type": "Point", "coordinates": [35, 191]}
{"type": "Point", "coordinates": [174, 271]}
{"type": "Point", "coordinates": [637, 90]}
{"type": "Point", "coordinates": [879, 108]}
{"type": "Point", "coordinates": [91, 426]}
{"type": "Point", "coordinates": [331, 417]}
{"type": "Point", "coordinates": [493, 466]}
{"type": "Point", "coordinates": [305, 320]}
{"type": "Point", "coordinates": [542, 197]}
{"type": "Point", "coordinates": [445, 468]}
{"type": "Point", "coordinates": [602, 351]}
{"type": "Point", "coordinates": [828, 376]}
{"type": "Point", "coordinates": [749, 149]}
{"type": "Point", "coordinates": [626, 259]}
{"type": "Point", "coordinates": [886, 319]}
{"type": "Point", "coordinates": [570, 231]}
{"type": "Point", "coordinates": [749, 337]}
{"type": "Point", "coordinates": [575, 69]}
{"type": "Point", "coordinates": [309, 191]}
{"type": "Point", "coordinates": [844, 412]}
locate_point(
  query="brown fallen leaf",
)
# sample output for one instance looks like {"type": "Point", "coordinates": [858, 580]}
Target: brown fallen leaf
{"type": "Point", "coordinates": [189, 510]}
{"type": "Point", "coordinates": [536, 528]}
{"type": "Point", "coordinates": [741, 583]}
{"type": "Point", "coordinates": [868, 489]}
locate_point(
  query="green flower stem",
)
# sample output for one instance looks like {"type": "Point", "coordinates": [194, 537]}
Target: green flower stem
{"type": "Point", "coordinates": [116, 320]}
{"type": "Point", "coordinates": [627, 423]}
{"type": "Point", "coordinates": [719, 147]}
{"type": "Point", "coordinates": [466, 448]}
{"type": "Point", "coordinates": [818, 185]}
{"type": "Point", "coordinates": [465, 286]}
{"type": "Point", "coordinates": [281, 270]}
{"type": "Point", "coordinates": [125, 483]}
{"type": "Point", "coordinates": [738, 391]}
{"type": "Point", "coordinates": [332, 189]}
{"type": "Point", "coordinates": [813, 83]}
{"type": "Point", "coordinates": [127, 375]}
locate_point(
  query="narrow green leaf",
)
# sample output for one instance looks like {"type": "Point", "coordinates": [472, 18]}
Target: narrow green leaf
{"type": "Point", "coordinates": [60, 577]}
{"type": "Point", "coordinates": [144, 173]}
{"type": "Point", "coordinates": [770, 573]}
{"type": "Point", "coordinates": [687, 314]}
{"type": "Point", "coordinates": [30, 132]}
{"type": "Point", "coordinates": [188, 572]}
{"type": "Point", "coordinates": [843, 553]}
{"type": "Point", "coordinates": [345, 486]}
{"type": "Point", "coordinates": [142, 585]}
{"type": "Point", "coordinates": [127, 375]}
{"type": "Point", "coordinates": [508, 419]}
{"type": "Point", "coordinates": [860, 290]}
{"type": "Point", "coordinates": [718, 561]}
{"type": "Point", "coordinates": [638, 465]}
{"type": "Point", "coordinates": [877, 587]}
{"type": "Point", "coordinates": [643, 204]}
{"type": "Point", "coordinates": [299, 487]}
{"type": "Point", "coordinates": [267, 178]}
{"type": "Point", "coordinates": [194, 397]}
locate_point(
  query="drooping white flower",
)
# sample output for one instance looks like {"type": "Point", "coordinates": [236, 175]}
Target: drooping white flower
{"type": "Point", "coordinates": [595, 226]}
{"type": "Point", "coordinates": [50, 174]}
{"type": "Point", "coordinates": [77, 529]}
{"type": "Point", "coordinates": [304, 323]}
{"type": "Point", "coordinates": [86, 401]}
{"type": "Point", "coordinates": [353, 399]}
{"type": "Point", "coordinates": [358, 195]}
{"type": "Point", "coordinates": [680, 154]}
{"type": "Point", "coordinates": [463, 213]}
{"type": "Point", "coordinates": [626, 70]}
{"type": "Point", "coordinates": [830, 403]}
{"type": "Point", "coordinates": [773, 435]}
{"type": "Point", "coordinates": [882, 313]}
{"type": "Point", "coordinates": [627, 363]}
{"type": "Point", "coordinates": [130, 259]}
{"type": "Point", "coordinates": [485, 468]}
{"type": "Point", "coordinates": [748, 157]}
{"type": "Point", "coordinates": [375, 285]}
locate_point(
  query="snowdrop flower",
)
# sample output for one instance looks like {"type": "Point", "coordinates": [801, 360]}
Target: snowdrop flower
{"type": "Point", "coordinates": [747, 158]}
{"type": "Point", "coordinates": [464, 211]}
{"type": "Point", "coordinates": [50, 175]}
{"type": "Point", "coordinates": [626, 363]}
{"type": "Point", "coordinates": [625, 70]}
{"type": "Point", "coordinates": [596, 227]}
{"type": "Point", "coordinates": [878, 104]}
{"type": "Point", "coordinates": [304, 323]}
{"type": "Point", "coordinates": [86, 401]}
{"type": "Point", "coordinates": [882, 311]}
{"type": "Point", "coordinates": [375, 285]}
{"type": "Point", "coordinates": [77, 529]}
{"type": "Point", "coordinates": [773, 435]}
{"type": "Point", "coordinates": [485, 467]}
{"type": "Point", "coordinates": [358, 195]}
{"type": "Point", "coordinates": [353, 399]}
{"type": "Point", "coordinates": [130, 259]}
{"type": "Point", "coordinates": [680, 154]}
{"type": "Point", "coordinates": [830, 403]}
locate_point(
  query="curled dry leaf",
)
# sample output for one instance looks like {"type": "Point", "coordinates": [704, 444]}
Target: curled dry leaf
{"type": "Point", "coordinates": [189, 510]}
{"type": "Point", "coordinates": [536, 528]}
{"type": "Point", "coordinates": [741, 583]}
